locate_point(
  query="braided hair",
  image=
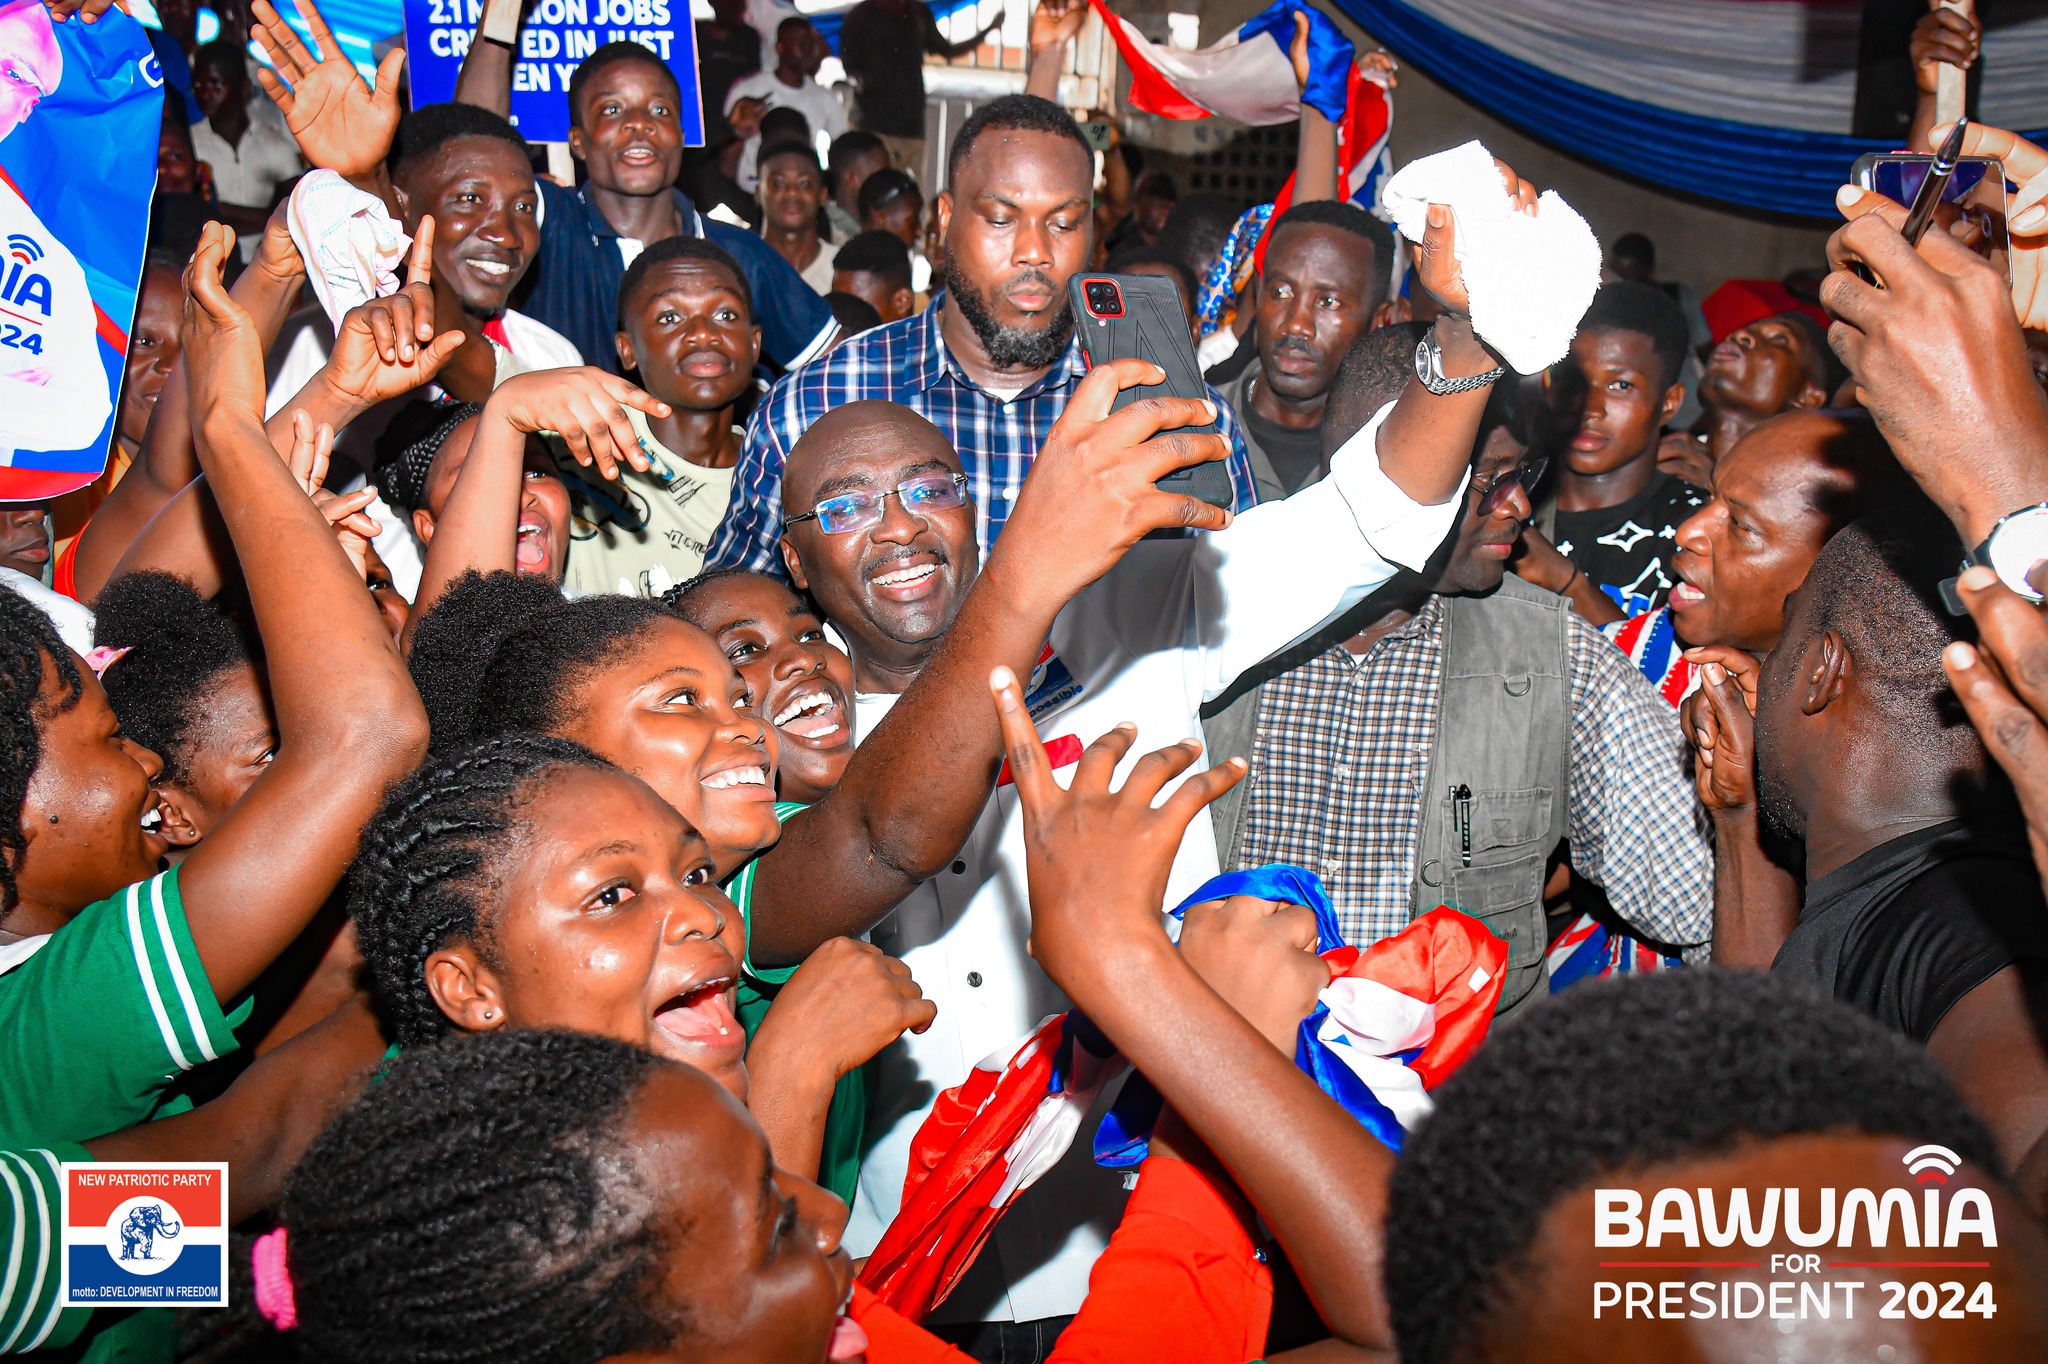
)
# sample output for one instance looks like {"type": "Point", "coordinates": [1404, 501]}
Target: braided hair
{"type": "Point", "coordinates": [677, 599]}
{"type": "Point", "coordinates": [500, 652]}
{"type": "Point", "coordinates": [26, 638]}
{"type": "Point", "coordinates": [429, 857]}
{"type": "Point", "coordinates": [408, 447]}
{"type": "Point", "coordinates": [476, 1205]}
{"type": "Point", "coordinates": [179, 647]}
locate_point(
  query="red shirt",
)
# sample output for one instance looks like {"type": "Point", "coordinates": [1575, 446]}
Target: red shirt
{"type": "Point", "coordinates": [1180, 1280]}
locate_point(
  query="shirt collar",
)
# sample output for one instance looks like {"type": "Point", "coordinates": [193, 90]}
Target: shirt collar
{"type": "Point", "coordinates": [932, 360]}
{"type": "Point", "coordinates": [601, 226]}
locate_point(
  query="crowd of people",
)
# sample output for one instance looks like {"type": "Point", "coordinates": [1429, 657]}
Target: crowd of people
{"type": "Point", "coordinates": [566, 774]}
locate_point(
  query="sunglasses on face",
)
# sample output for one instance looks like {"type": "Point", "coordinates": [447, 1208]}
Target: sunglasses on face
{"type": "Point", "coordinates": [850, 512]}
{"type": "Point", "coordinates": [1493, 492]}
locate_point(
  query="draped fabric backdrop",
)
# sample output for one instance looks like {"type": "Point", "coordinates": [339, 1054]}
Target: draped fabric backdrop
{"type": "Point", "coordinates": [1744, 101]}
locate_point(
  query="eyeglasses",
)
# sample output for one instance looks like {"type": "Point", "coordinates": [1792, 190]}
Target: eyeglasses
{"type": "Point", "coordinates": [1493, 492]}
{"type": "Point", "coordinates": [850, 512]}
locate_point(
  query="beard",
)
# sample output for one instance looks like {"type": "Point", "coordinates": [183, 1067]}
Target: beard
{"type": "Point", "coordinates": [1011, 347]}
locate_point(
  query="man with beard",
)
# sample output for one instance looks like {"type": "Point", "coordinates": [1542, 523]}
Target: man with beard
{"type": "Point", "coordinates": [1922, 903]}
{"type": "Point", "coordinates": [1326, 274]}
{"type": "Point", "coordinates": [1462, 679]}
{"type": "Point", "coordinates": [993, 364]}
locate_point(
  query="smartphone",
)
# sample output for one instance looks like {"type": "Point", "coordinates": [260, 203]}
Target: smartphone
{"type": "Point", "coordinates": [1097, 134]}
{"type": "Point", "coordinates": [1121, 316]}
{"type": "Point", "coordinates": [1972, 207]}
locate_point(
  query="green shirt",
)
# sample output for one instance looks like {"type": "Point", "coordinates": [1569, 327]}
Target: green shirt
{"type": "Point", "coordinates": [30, 1221]}
{"type": "Point", "coordinates": [111, 1009]}
{"type": "Point", "coordinates": [839, 1157]}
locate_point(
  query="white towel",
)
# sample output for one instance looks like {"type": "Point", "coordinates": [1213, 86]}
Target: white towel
{"type": "Point", "coordinates": [1530, 279]}
{"type": "Point", "coordinates": [352, 247]}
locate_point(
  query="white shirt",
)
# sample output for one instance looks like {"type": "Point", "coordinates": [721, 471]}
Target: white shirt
{"type": "Point", "coordinates": [819, 106]}
{"type": "Point", "coordinates": [72, 619]}
{"type": "Point", "coordinates": [1164, 631]}
{"type": "Point", "coordinates": [248, 175]}
{"type": "Point", "coordinates": [53, 388]}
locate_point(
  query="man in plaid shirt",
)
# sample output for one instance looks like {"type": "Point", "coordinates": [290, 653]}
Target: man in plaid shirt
{"type": "Point", "coordinates": [1406, 781]}
{"type": "Point", "coordinates": [993, 363]}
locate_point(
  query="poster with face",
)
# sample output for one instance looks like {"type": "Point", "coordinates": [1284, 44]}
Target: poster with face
{"type": "Point", "coordinates": [80, 108]}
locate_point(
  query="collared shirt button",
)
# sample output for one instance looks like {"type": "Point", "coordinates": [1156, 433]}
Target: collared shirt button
{"type": "Point", "coordinates": [960, 868]}
{"type": "Point", "coordinates": [974, 980]}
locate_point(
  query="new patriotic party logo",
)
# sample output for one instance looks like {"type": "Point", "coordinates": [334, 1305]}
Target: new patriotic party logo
{"type": "Point", "coordinates": [145, 1234]}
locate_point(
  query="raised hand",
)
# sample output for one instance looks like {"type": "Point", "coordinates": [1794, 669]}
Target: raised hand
{"type": "Point", "coordinates": [1056, 21]}
{"type": "Point", "coordinates": [586, 407]}
{"type": "Point", "coordinates": [1097, 859]}
{"type": "Point", "coordinates": [1720, 720]}
{"type": "Point", "coordinates": [1943, 37]}
{"type": "Point", "coordinates": [1686, 456]}
{"type": "Point", "coordinates": [2026, 165]}
{"type": "Point", "coordinates": [1090, 494]}
{"type": "Point", "coordinates": [2003, 684]}
{"type": "Point", "coordinates": [1939, 362]}
{"type": "Point", "coordinates": [1260, 955]}
{"type": "Point", "coordinates": [223, 350]}
{"type": "Point", "coordinates": [277, 254]}
{"type": "Point", "coordinates": [1436, 260]}
{"type": "Point", "coordinates": [387, 347]}
{"type": "Point", "coordinates": [844, 1004]}
{"type": "Point", "coordinates": [341, 124]}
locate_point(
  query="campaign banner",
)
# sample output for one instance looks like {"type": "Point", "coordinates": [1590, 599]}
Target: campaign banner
{"type": "Point", "coordinates": [555, 38]}
{"type": "Point", "coordinates": [145, 1234]}
{"type": "Point", "coordinates": [80, 108]}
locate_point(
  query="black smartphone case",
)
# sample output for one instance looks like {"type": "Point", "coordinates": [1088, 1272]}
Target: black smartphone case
{"type": "Point", "coordinates": [1153, 327]}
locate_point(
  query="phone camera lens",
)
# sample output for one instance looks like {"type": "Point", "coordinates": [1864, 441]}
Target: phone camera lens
{"type": "Point", "coordinates": [1104, 298]}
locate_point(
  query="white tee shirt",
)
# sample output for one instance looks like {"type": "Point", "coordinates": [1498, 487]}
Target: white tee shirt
{"type": "Point", "coordinates": [681, 504]}
{"type": "Point", "coordinates": [819, 106]}
{"type": "Point", "coordinates": [53, 388]}
{"type": "Point", "coordinates": [1167, 629]}
{"type": "Point", "coordinates": [248, 175]}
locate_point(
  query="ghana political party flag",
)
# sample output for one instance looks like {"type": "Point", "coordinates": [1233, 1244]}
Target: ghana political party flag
{"type": "Point", "coordinates": [80, 108]}
{"type": "Point", "coordinates": [145, 1234]}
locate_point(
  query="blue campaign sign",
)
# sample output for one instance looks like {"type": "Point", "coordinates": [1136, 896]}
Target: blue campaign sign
{"type": "Point", "coordinates": [554, 40]}
{"type": "Point", "coordinates": [80, 107]}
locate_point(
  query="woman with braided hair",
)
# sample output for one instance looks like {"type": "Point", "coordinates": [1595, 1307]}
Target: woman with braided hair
{"type": "Point", "coordinates": [122, 975]}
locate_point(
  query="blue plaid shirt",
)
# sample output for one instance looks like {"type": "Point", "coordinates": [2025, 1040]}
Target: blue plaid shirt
{"type": "Point", "coordinates": [907, 362]}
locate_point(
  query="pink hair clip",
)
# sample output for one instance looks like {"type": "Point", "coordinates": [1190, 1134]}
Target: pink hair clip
{"type": "Point", "coordinates": [274, 1296]}
{"type": "Point", "coordinates": [104, 656]}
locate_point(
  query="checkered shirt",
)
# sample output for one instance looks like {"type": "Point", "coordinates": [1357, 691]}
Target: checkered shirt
{"type": "Point", "coordinates": [907, 362]}
{"type": "Point", "coordinates": [1343, 749]}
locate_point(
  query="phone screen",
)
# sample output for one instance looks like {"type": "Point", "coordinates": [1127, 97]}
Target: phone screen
{"type": "Point", "coordinates": [1972, 205]}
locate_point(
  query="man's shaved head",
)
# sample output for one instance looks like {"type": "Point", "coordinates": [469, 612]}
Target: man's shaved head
{"type": "Point", "coordinates": [892, 588]}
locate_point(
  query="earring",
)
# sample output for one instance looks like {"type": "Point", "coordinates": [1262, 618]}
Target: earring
{"type": "Point", "coordinates": [490, 1014]}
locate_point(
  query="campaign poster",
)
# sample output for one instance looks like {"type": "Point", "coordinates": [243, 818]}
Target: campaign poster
{"type": "Point", "coordinates": [80, 107]}
{"type": "Point", "coordinates": [555, 38]}
{"type": "Point", "coordinates": [145, 1234]}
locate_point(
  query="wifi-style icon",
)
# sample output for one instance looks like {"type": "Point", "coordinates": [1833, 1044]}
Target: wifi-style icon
{"type": "Point", "coordinates": [1931, 1164]}
{"type": "Point", "coordinates": [24, 248]}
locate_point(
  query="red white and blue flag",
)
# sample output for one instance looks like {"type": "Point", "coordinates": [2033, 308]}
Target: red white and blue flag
{"type": "Point", "coordinates": [1589, 949]}
{"type": "Point", "coordinates": [145, 1234]}
{"type": "Point", "coordinates": [1395, 1020]}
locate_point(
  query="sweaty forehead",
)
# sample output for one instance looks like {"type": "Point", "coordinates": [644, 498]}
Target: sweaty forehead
{"type": "Point", "coordinates": [628, 77]}
{"type": "Point", "coordinates": [1020, 162]}
{"type": "Point", "coordinates": [863, 444]}
{"type": "Point", "coordinates": [1616, 347]}
{"type": "Point", "coordinates": [464, 157]}
{"type": "Point", "coordinates": [1312, 249]}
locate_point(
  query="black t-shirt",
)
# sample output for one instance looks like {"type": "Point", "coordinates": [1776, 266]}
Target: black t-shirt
{"type": "Point", "coordinates": [1913, 925]}
{"type": "Point", "coordinates": [885, 52]}
{"type": "Point", "coordinates": [722, 58]}
{"type": "Point", "coordinates": [1626, 550]}
{"type": "Point", "coordinates": [1297, 456]}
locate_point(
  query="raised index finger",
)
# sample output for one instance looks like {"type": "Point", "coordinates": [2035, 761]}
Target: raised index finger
{"type": "Point", "coordinates": [419, 269]}
{"type": "Point", "coordinates": [1029, 768]}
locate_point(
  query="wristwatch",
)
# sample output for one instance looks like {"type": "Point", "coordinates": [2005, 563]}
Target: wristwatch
{"type": "Point", "coordinates": [1429, 367]}
{"type": "Point", "coordinates": [2015, 545]}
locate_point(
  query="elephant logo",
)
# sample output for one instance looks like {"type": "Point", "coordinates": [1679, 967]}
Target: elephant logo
{"type": "Point", "coordinates": [140, 1228]}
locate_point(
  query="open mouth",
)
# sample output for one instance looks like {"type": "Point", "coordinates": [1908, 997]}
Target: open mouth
{"type": "Point", "coordinates": [1684, 594]}
{"type": "Point", "coordinates": [736, 776]}
{"type": "Point", "coordinates": [907, 579]}
{"type": "Point", "coordinates": [492, 268]}
{"type": "Point", "coordinates": [531, 552]}
{"type": "Point", "coordinates": [812, 714]}
{"type": "Point", "coordinates": [849, 1341]}
{"type": "Point", "coordinates": [638, 156]}
{"type": "Point", "coordinates": [153, 820]}
{"type": "Point", "coordinates": [703, 1015]}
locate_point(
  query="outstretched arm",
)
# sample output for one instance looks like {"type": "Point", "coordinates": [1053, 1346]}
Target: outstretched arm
{"type": "Point", "coordinates": [166, 463]}
{"type": "Point", "coordinates": [478, 530]}
{"type": "Point", "coordinates": [258, 879]}
{"type": "Point", "coordinates": [915, 787]}
{"type": "Point", "coordinates": [1944, 39]}
{"type": "Point", "coordinates": [486, 76]}
{"type": "Point", "coordinates": [1097, 865]}
{"type": "Point", "coordinates": [1315, 158]}
{"type": "Point", "coordinates": [1054, 23]}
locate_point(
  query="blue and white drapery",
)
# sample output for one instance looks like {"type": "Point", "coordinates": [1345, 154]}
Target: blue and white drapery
{"type": "Point", "coordinates": [1744, 101]}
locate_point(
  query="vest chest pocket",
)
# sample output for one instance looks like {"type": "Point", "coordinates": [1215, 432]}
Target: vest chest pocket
{"type": "Point", "coordinates": [1494, 819]}
{"type": "Point", "coordinates": [1509, 900]}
